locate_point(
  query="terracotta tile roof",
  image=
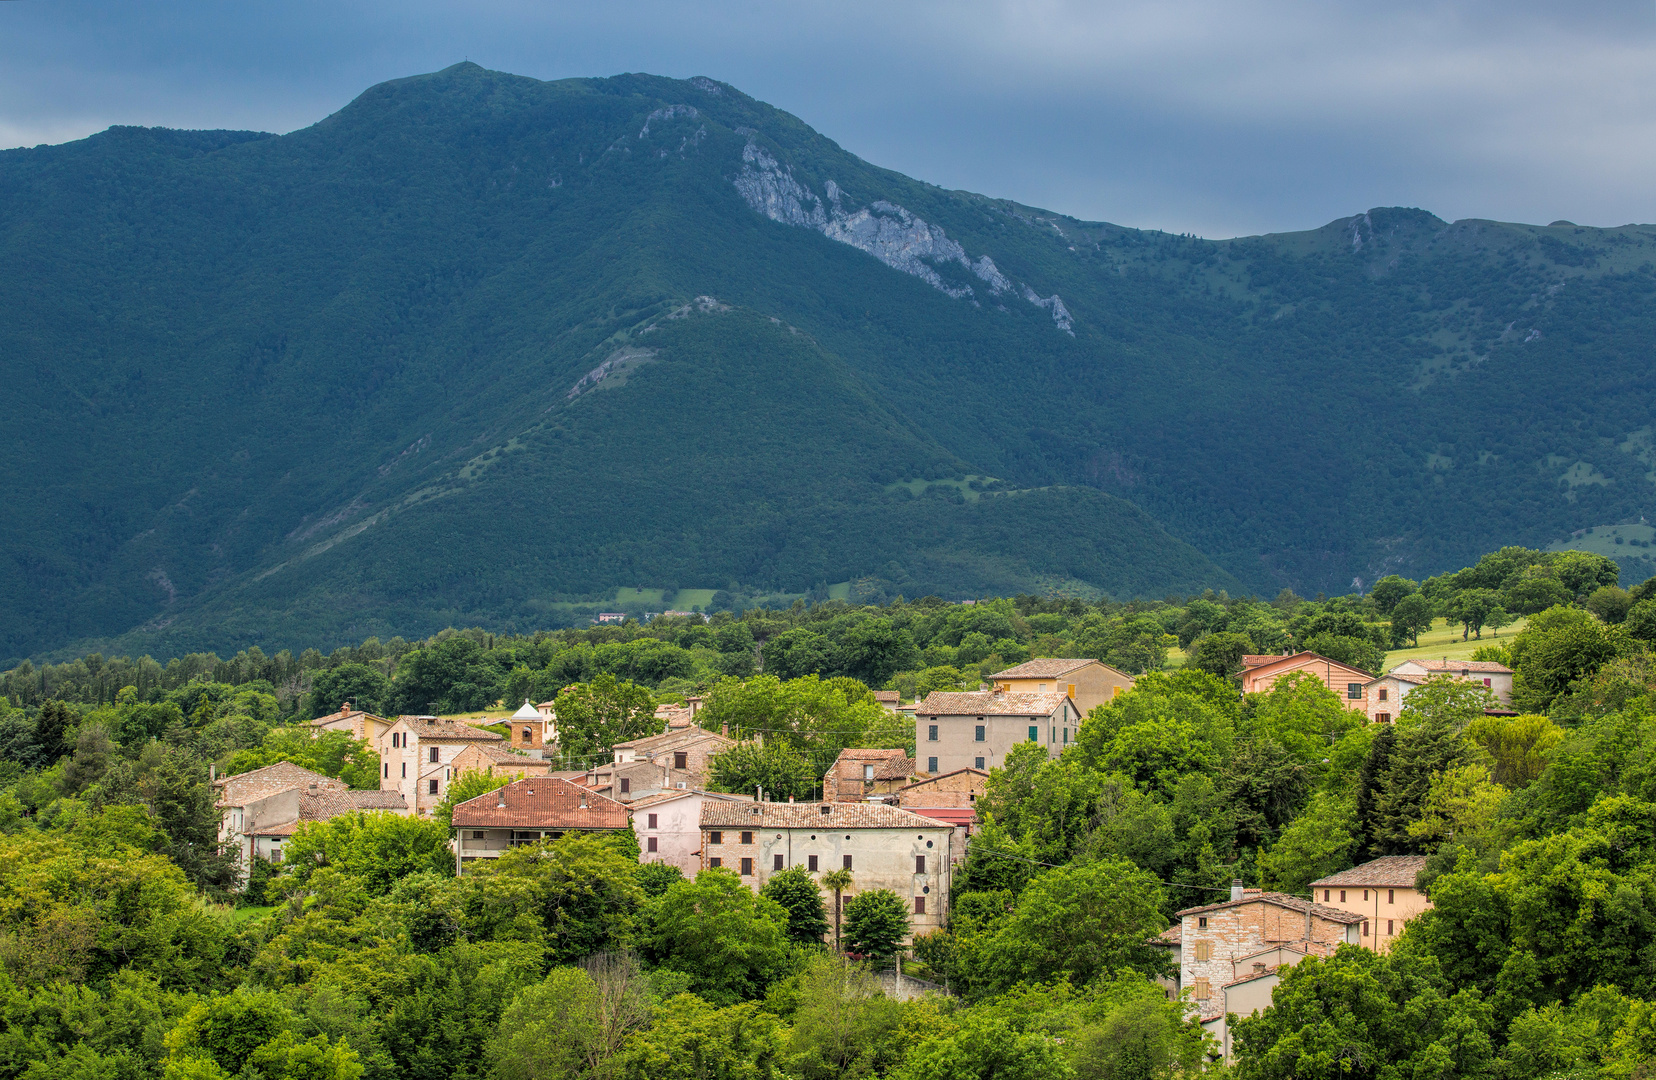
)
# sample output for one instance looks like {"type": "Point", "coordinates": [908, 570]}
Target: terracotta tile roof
{"type": "Point", "coordinates": [1260, 659]}
{"type": "Point", "coordinates": [286, 828]}
{"type": "Point", "coordinates": [659, 797]}
{"type": "Point", "coordinates": [676, 737]}
{"type": "Point", "coordinates": [887, 697]}
{"type": "Point", "coordinates": [940, 776]}
{"type": "Point", "coordinates": [541, 803]}
{"type": "Point", "coordinates": [989, 703]}
{"type": "Point", "coordinates": [861, 815]}
{"type": "Point", "coordinates": [1044, 668]}
{"type": "Point", "coordinates": [1390, 871]}
{"type": "Point", "coordinates": [1173, 935]}
{"type": "Point", "coordinates": [347, 714]}
{"type": "Point", "coordinates": [1412, 680]}
{"type": "Point", "coordinates": [379, 800]}
{"type": "Point", "coordinates": [1300, 659]}
{"type": "Point", "coordinates": [243, 788]}
{"type": "Point", "coordinates": [512, 757]}
{"type": "Point", "coordinates": [959, 816]}
{"type": "Point", "coordinates": [891, 764]}
{"type": "Point", "coordinates": [431, 727]}
{"type": "Point", "coordinates": [1293, 903]}
{"type": "Point", "coordinates": [1487, 667]}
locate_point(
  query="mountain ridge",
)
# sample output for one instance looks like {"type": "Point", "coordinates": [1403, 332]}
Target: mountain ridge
{"type": "Point", "coordinates": [239, 347]}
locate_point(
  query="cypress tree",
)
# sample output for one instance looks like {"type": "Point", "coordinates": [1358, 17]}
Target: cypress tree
{"type": "Point", "coordinates": [1369, 780]}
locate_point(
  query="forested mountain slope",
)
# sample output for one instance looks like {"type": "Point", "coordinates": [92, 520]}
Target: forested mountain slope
{"type": "Point", "coordinates": [478, 346]}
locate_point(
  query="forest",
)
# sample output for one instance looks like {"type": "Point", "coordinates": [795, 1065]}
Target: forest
{"type": "Point", "coordinates": [130, 946]}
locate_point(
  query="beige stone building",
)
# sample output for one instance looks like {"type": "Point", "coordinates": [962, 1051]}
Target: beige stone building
{"type": "Point", "coordinates": [883, 847]}
{"type": "Point", "coordinates": [1088, 683]}
{"type": "Point", "coordinates": [491, 759]}
{"type": "Point", "coordinates": [668, 824]}
{"type": "Point", "coordinates": [417, 757]}
{"type": "Point", "coordinates": [526, 812]}
{"type": "Point", "coordinates": [1381, 892]}
{"type": "Point", "coordinates": [975, 730]}
{"type": "Point", "coordinates": [1209, 941]}
{"type": "Point", "coordinates": [362, 725]}
{"type": "Point", "coordinates": [259, 810]}
{"type": "Point", "coordinates": [951, 798]}
{"type": "Point", "coordinates": [859, 775]}
{"type": "Point", "coordinates": [681, 753]}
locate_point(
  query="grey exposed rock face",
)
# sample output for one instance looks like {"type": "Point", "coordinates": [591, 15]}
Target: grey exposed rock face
{"type": "Point", "coordinates": [884, 230]}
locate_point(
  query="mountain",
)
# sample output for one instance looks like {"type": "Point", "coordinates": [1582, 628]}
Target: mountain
{"type": "Point", "coordinates": [483, 349]}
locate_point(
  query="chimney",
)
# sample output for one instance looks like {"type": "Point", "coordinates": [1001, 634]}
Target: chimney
{"type": "Point", "coordinates": [790, 800]}
{"type": "Point", "coordinates": [500, 799]}
{"type": "Point", "coordinates": [1236, 888]}
{"type": "Point", "coordinates": [212, 773]}
{"type": "Point", "coordinates": [758, 793]}
{"type": "Point", "coordinates": [345, 706]}
{"type": "Point", "coordinates": [724, 729]}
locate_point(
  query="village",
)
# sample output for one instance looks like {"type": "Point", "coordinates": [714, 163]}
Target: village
{"type": "Point", "coordinates": [889, 819]}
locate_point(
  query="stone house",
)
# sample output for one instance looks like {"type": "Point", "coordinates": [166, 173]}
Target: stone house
{"type": "Point", "coordinates": [626, 782]}
{"type": "Point", "coordinates": [1381, 892]}
{"type": "Point", "coordinates": [950, 798]}
{"type": "Point", "coordinates": [668, 824]}
{"type": "Point", "coordinates": [1383, 697]}
{"type": "Point", "coordinates": [883, 847]}
{"type": "Point", "coordinates": [681, 752]}
{"type": "Point", "coordinates": [1497, 677]}
{"type": "Point", "coordinates": [975, 730]}
{"type": "Point", "coordinates": [260, 809]}
{"type": "Point", "coordinates": [532, 731]}
{"type": "Point", "coordinates": [1259, 673]}
{"type": "Point", "coordinates": [1209, 940]}
{"type": "Point", "coordinates": [362, 725]}
{"type": "Point", "coordinates": [858, 775]}
{"type": "Point", "coordinates": [417, 757]}
{"type": "Point", "coordinates": [491, 759]}
{"type": "Point", "coordinates": [526, 812]}
{"type": "Point", "coordinates": [1088, 683]}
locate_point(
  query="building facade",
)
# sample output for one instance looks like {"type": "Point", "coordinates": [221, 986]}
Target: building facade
{"type": "Point", "coordinates": [681, 753]}
{"type": "Point", "coordinates": [975, 730]}
{"type": "Point", "coordinates": [362, 725]}
{"type": "Point", "coordinates": [261, 809]}
{"type": "Point", "coordinates": [1260, 673]}
{"type": "Point", "coordinates": [951, 798]}
{"type": "Point", "coordinates": [1381, 892]}
{"type": "Point", "coordinates": [1496, 677]}
{"type": "Point", "coordinates": [883, 847]}
{"type": "Point", "coordinates": [491, 760]}
{"type": "Point", "coordinates": [1088, 683]}
{"type": "Point", "coordinates": [668, 825]}
{"type": "Point", "coordinates": [858, 775]}
{"type": "Point", "coordinates": [417, 757]}
{"type": "Point", "coordinates": [526, 812]}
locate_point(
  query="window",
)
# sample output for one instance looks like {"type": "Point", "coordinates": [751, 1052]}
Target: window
{"type": "Point", "coordinates": [1201, 990]}
{"type": "Point", "coordinates": [1382, 718]}
{"type": "Point", "coordinates": [405, 770]}
{"type": "Point", "coordinates": [1391, 896]}
{"type": "Point", "coordinates": [848, 862]}
{"type": "Point", "coordinates": [626, 786]}
{"type": "Point", "coordinates": [715, 862]}
{"type": "Point", "coordinates": [977, 763]}
{"type": "Point", "coordinates": [434, 758]}
{"type": "Point", "coordinates": [747, 867]}
{"type": "Point", "coordinates": [979, 737]}
{"type": "Point", "coordinates": [1382, 694]}
{"type": "Point", "coordinates": [1486, 682]}
{"type": "Point", "coordinates": [919, 905]}
{"type": "Point", "coordinates": [931, 764]}
{"type": "Point", "coordinates": [1325, 896]}
{"type": "Point", "coordinates": [919, 864]}
{"type": "Point", "coordinates": [715, 837]}
{"type": "Point", "coordinates": [650, 843]}
{"type": "Point", "coordinates": [528, 736]}
{"type": "Point", "coordinates": [275, 854]}
{"type": "Point", "coordinates": [387, 768]}
{"type": "Point", "coordinates": [868, 772]}
{"type": "Point", "coordinates": [811, 863]}
{"type": "Point", "coordinates": [431, 786]}
{"type": "Point", "coordinates": [651, 822]}
{"type": "Point", "coordinates": [1201, 923]}
{"type": "Point", "coordinates": [1365, 896]}
{"type": "Point", "coordinates": [1365, 928]}
{"type": "Point", "coordinates": [1071, 689]}
{"type": "Point", "coordinates": [679, 760]}
{"type": "Point", "coordinates": [1066, 736]}
{"type": "Point", "coordinates": [1354, 691]}
{"type": "Point", "coordinates": [1391, 925]}
{"type": "Point", "coordinates": [1342, 896]}
{"type": "Point", "coordinates": [1204, 950]}
{"type": "Point", "coordinates": [747, 838]}
{"type": "Point", "coordinates": [1034, 734]}
{"type": "Point", "coordinates": [776, 862]}
{"type": "Point", "coordinates": [931, 733]}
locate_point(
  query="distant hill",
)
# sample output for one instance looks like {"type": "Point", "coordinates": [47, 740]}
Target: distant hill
{"type": "Point", "coordinates": [483, 349]}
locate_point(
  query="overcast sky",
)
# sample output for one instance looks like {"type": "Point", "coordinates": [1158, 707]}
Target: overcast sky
{"type": "Point", "coordinates": [1218, 117]}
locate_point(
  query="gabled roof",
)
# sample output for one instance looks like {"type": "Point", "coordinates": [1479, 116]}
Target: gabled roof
{"type": "Point", "coordinates": [1389, 871]}
{"type": "Point", "coordinates": [941, 776]}
{"type": "Point", "coordinates": [1392, 676]}
{"type": "Point", "coordinates": [243, 788]}
{"type": "Point", "coordinates": [861, 815]}
{"type": "Point", "coordinates": [888, 764]}
{"type": "Point", "coordinates": [989, 703]}
{"type": "Point", "coordinates": [675, 737]}
{"type": "Point", "coordinates": [543, 802]}
{"type": "Point", "coordinates": [379, 800]}
{"type": "Point", "coordinates": [672, 794]}
{"type": "Point", "coordinates": [528, 712]}
{"type": "Point", "coordinates": [1283, 900]}
{"type": "Point", "coordinates": [1483, 667]}
{"type": "Point", "coordinates": [1050, 667]}
{"type": "Point", "coordinates": [1299, 660]}
{"type": "Point", "coordinates": [431, 727]}
{"type": "Point", "coordinates": [347, 713]}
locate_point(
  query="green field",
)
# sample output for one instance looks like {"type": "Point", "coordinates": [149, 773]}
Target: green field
{"type": "Point", "coordinates": [1443, 641]}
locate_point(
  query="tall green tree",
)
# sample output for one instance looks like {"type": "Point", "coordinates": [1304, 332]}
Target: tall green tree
{"type": "Point", "coordinates": [594, 716]}
{"type": "Point", "coordinates": [796, 892]}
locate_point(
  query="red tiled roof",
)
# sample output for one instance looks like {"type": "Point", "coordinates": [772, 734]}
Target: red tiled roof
{"type": "Point", "coordinates": [940, 776]}
{"type": "Point", "coordinates": [543, 802]}
{"type": "Point", "coordinates": [431, 727]}
{"type": "Point", "coordinates": [1049, 667]}
{"type": "Point", "coordinates": [1304, 658]}
{"type": "Point", "coordinates": [243, 788]}
{"type": "Point", "coordinates": [1486, 667]}
{"type": "Point", "coordinates": [862, 815]}
{"type": "Point", "coordinates": [1390, 871]}
{"type": "Point", "coordinates": [948, 815]}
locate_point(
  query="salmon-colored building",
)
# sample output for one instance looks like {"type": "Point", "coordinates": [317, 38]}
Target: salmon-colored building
{"type": "Point", "coordinates": [1260, 673]}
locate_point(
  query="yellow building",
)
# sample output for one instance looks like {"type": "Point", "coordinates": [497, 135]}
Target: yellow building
{"type": "Point", "coordinates": [1088, 683]}
{"type": "Point", "coordinates": [1382, 891]}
